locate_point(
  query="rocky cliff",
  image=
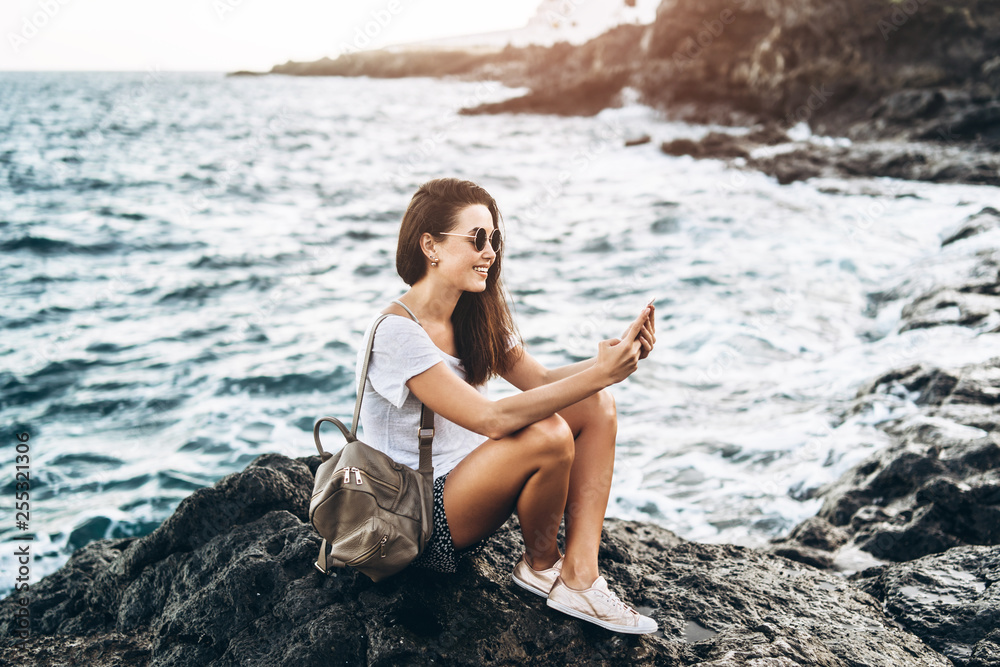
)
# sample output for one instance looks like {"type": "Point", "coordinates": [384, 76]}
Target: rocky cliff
{"type": "Point", "coordinates": [879, 72]}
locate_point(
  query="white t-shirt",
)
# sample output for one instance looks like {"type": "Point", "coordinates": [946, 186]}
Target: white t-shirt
{"type": "Point", "coordinates": [390, 412]}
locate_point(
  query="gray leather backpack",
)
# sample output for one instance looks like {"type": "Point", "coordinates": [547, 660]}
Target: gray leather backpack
{"type": "Point", "coordinates": [374, 514]}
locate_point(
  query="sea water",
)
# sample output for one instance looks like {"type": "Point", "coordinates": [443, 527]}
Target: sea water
{"type": "Point", "coordinates": [189, 261]}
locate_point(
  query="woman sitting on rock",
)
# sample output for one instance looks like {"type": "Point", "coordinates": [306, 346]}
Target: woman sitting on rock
{"type": "Point", "coordinates": [549, 450]}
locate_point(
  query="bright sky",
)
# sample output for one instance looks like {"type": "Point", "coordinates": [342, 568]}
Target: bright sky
{"type": "Point", "coordinates": [226, 35]}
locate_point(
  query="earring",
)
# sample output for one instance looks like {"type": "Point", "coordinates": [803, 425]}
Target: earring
{"type": "Point", "coordinates": [434, 261]}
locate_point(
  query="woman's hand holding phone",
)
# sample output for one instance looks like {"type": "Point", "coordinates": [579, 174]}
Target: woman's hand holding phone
{"type": "Point", "coordinates": [620, 356]}
{"type": "Point", "coordinates": [647, 335]}
{"type": "Point", "coordinates": [648, 332]}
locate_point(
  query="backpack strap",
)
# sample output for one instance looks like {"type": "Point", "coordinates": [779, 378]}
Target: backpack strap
{"type": "Point", "coordinates": [425, 431]}
{"type": "Point", "coordinates": [407, 310]}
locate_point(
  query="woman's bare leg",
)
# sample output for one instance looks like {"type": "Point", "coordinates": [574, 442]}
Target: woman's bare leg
{"type": "Point", "coordinates": [529, 470]}
{"type": "Point", "coordinates": [594, 423]}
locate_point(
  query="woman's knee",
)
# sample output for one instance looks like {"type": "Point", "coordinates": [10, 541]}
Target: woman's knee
{"type": "Point", "coordinates": [606, 408]}
{"type": "Point", "coordinates": [553, 438]}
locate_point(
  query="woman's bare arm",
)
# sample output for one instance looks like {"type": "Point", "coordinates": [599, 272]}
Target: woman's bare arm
{"type": "Point", "coordinates": [566, 371]}
{"type": "Point", "coordinates": [515, 412]}
{"type": "Point", "coordinates": [528, 373]}
{"type": "Point", "coordinates": [457, 401]}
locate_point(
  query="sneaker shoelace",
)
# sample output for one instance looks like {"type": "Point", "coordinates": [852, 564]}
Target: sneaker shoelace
{"type": "Point", "coordinates": [615, 601]}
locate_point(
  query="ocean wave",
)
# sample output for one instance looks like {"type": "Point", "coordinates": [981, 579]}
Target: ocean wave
{"type": "Point", "coordinates": [201, 291]}
{"type": "Point", "coordinates": [104, 527]}
{"type": "Point", "coordinates": [109, 212]}
{"type": "Point", "coordinates": [63, 368]}
{"type": "Point", "coordinates": [220, 262]}
{"type": "Point", "coordinates": [77, 460]}
{"type": "Point", "coordinates": [99, 407]}
{"type": "Point", "coordinates": [290, 383]}
{"type": "Point", "coordinates": [42, 245]}
{"type": "Point", "coordinates": [206, 445]}
{"type": "Point", "coordinates": [184, 481]}
{"type": "Point", "coordinates": [394, 215]}
{"type": "Point", "coordinates": [43, 316]}
{"type": "Point", "coordinates": [108, 347]}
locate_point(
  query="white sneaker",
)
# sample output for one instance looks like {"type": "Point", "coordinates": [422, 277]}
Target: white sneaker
{"type": "Point", "coordinates": [598, 604]}
{"type": "Point", "coordinates": [538, 582]}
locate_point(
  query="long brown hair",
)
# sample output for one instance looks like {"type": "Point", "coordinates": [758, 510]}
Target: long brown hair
{"type": "Point", "coordinates": [481, 321]}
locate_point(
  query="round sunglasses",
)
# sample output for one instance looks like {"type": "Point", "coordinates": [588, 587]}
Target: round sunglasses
{"type": "Point", "coordinates": [480, 238]}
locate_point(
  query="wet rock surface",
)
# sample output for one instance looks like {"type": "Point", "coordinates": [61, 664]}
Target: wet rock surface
{"type": "Point", "coordinates": [929, 504]}
{"type": "Point", "coordinates": [951, 600]}
{"type": "Point", "coordinates": [913, 160]}
{"type": "Point", "coordinates": [937, 486]}
{"type": "Point", "coordinates": [802, 160]}
{"type": "Point", "coordinates": [712, 145]}
{"type": "Point", "coordinates": [959, 286]}
{"type": "Point", "coordinates": [229, 579]}
{"type": "Point", "coordinates": [986, 220]}
{"type": "Point", "coordinates": [973, 299]}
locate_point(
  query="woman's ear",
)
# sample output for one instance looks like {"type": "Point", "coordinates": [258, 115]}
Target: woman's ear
{"type": "Point", "coordinates": [428, 245]}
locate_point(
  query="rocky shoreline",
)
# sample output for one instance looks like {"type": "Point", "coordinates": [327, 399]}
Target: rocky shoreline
{"type": "Point", "coordinates": [914, 86]}
{"type": "Point", "coordinates": [229, 577]}
{"type": "Point", "coordinates": [929, 503]}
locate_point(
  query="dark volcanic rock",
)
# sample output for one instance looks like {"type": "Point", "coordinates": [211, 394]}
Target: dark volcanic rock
{"type": "Point", "coordinates": [929, 501]}
{"type": "Point", "coordinates": [878, 72]}
{"type": "Point", "coordinates": [566, 80]}
{"type": "Point", "coordinates": [858, 68]}
{"type": "Point", "coordinates": [713, 145]}
{"type": "Point", "coordinates": [638, 141]}
{"type": "Point", "coordinates": [985, 220]}
{"type": "Point", "coordinates": [390, 64]}
{"type": "Point", "coordinates": [229, 579]}
{"type": "Point", "coordinates": [723, 145]}
{"type": "Point", "coordinates": [812, 542]}
{"type": "Point", "coordinates": [916, 161]}
{"type": "Point", "coordinates": [959, 286]}
{"type": "Point", "coordinates": [937, 486]}
{"type": "Point", "coordinates": [586, 97]}
{"type": "Point", "coordinates": [950, 600]}
{"type": "Point", "coordinates": [969, 296]}
{"type": "Point", "coordinates": [987, 652]}
{"type": "Point", "coordinates": [943, 305]}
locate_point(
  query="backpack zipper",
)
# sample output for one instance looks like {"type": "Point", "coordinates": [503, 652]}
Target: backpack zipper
{"type": "Point", "coordinates": [358, 472]}
{"type": "Point", "coordinates": [376, 480]}
{"type": "Point", "coordinates": [371, 552]}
